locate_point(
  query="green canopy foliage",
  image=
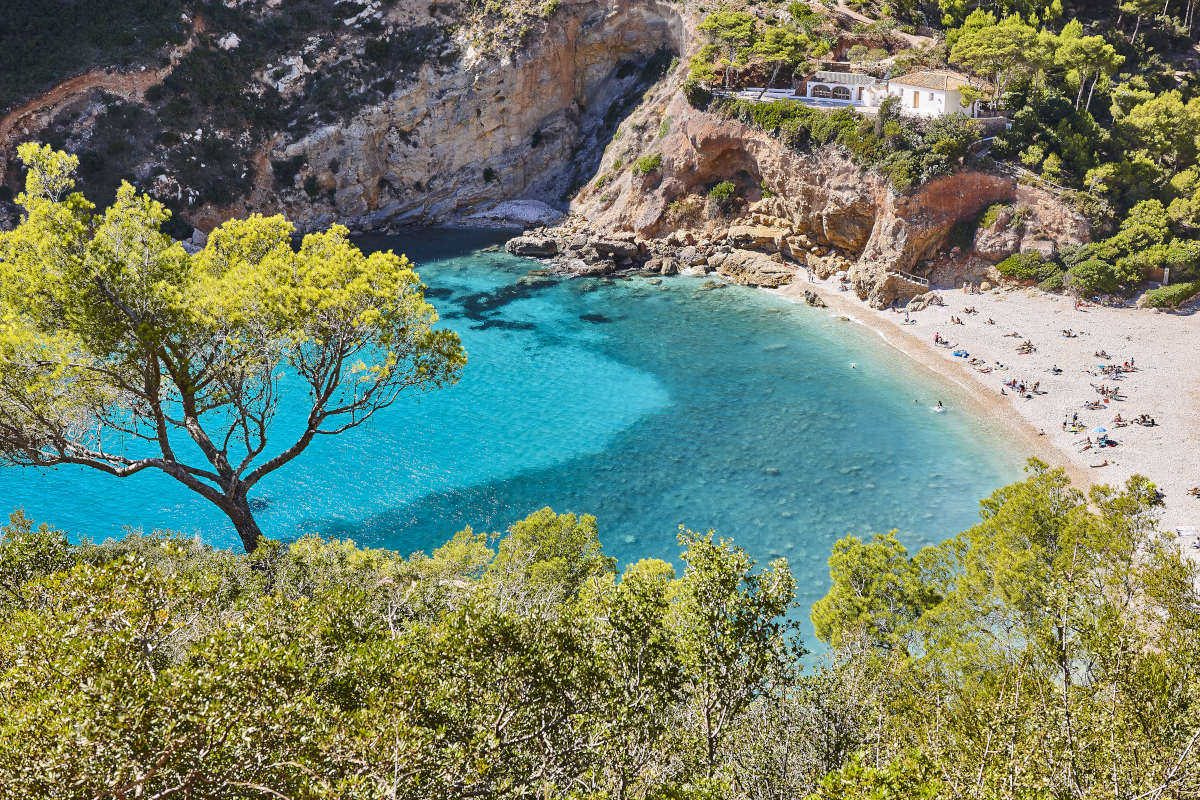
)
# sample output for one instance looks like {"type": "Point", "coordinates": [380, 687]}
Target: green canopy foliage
{"type": "Point", "coordinates": [158, 666]}
{"type": "Point", "coordinates": [1049, 651]}
{"type": "Point", "coordinates": [121, 352]}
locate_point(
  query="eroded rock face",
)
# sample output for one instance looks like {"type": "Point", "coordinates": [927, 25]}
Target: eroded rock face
{"type": "Point", "coordinates": [450, 145]}
{"type": "Point", "coordinates": [1035, 221]}
{"type": "Point", "coordinates": [817, 209]}
{"type": "Point", "coordinates": [912, 228]}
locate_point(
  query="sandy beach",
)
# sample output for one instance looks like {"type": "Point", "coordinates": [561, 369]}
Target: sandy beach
{"type": "Point", "coordinates": [1165, 348]}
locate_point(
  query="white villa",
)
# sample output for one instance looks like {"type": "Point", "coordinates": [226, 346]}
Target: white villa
{"type": "Point", "coordinates": [928, 93]}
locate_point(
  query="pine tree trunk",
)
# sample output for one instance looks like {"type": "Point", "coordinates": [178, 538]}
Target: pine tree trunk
{"type": "Point", "coordinates": [243, 521]}
{"type": "Point", "coordinates": [1136, 25]}
{"type": "Point", "coordinates": [774, 75]}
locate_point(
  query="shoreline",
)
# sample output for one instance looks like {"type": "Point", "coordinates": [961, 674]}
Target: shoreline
{"type": "Point", "coordinates": [1167, 385]}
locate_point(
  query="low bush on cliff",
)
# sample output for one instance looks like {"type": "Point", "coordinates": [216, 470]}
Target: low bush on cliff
{"type": "Point", "coordinates": [1027, 267]}
{"type": "Point", "coordinates": [647, 164]}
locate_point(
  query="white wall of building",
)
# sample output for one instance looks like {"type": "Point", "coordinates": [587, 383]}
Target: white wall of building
{"type": "Point", "coordinates": [914, 100]}
{"type": "Point", "coordinates": [918, 101]}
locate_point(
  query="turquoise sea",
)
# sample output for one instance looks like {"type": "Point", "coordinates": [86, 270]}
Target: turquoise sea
{"type": "Point", "coordinates": [649, 403]}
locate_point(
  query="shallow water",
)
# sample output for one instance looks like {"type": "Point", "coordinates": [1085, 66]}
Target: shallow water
{"type": "Point", "coordinates": [648, 403]}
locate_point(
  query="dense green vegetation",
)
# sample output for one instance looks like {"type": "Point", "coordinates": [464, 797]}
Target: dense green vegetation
{"type": "Point", "coordinates": [122, 352]}
{"type": "Point", "coordinates": [1050, 652]}
{"type": "Point", "coordinates": [1102, 99]}
{"type": "Point", "coordinates": [44, 41]}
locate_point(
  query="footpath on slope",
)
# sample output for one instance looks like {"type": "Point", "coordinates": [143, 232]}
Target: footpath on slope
{"type": "Point", "coordinates": [1165, 385]}
{"type": "Point", "coordinates": [130, 86]}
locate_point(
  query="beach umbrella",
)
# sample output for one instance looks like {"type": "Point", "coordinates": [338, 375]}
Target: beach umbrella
{"type": "Point", "coordinates": [1099, 430]}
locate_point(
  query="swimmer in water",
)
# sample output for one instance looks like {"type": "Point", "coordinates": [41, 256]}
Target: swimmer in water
{"type": "Point", "coordinates": [939, 405]}
{"type": "Point", "coordinates": [853, 365]}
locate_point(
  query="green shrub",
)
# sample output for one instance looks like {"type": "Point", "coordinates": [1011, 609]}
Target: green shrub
{"type": "Point", "coordinates": [1027, 267]}
{"type": "Point", "coordinates": [992, 214]}
{"type": "Point", "coordinates": [1095, 275]}
{"type": "Point", "coordinates": [1171, 296]}
{"type": "Point", "coordinates": [723, 195]}
{"type": "Point", "coordinates": [1054, 283]}
{"type": "Point", "coordinates": [647, 164]}
{"type": "Point", "coordinates": [723, 191]}
{"type": "Point", "coordinates": [696, 95]}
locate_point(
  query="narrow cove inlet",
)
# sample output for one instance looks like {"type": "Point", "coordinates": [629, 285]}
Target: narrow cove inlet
{"type": "Point", "coordinates": [650, 403]}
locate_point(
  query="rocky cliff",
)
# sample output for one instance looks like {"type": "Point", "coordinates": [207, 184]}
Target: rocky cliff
{"type": "Point", "coordinates": [376, 114]}
{"type": "Point", "coordinates": [453, 144]}
{"type": "Point", "coordinates": [817, 209]}
{"type": "Point", "coordinates": [393, 114]}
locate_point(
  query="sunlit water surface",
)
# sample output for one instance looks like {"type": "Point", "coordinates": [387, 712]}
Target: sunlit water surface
{"type": "Point", "coordinates": [648, 403]}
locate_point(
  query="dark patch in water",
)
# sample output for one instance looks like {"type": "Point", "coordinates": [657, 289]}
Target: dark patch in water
{"type": "Point", "coordinates": [438, 294]}
{"type": "Point", "coordinates": [259, 504]}
{"type": "Point", "coordinates": [508, 325]}
{"type": "Point", "coordinates": [478, 306]}
{"type": "Point", "coordinates": [595, 318]}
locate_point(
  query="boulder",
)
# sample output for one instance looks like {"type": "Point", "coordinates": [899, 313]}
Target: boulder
{"type": "Point", "coordinates": [692, 256]}
{"type": "Point", "coordinates": [532, 246]}
{"type": "Point", "coordinates": [614, 248]}
{"type": "Point", "coordinates": [756, 237]}
{"type": "Point", "coordinates": [752, 268]}
{"type": "Point", "coordinates": [813, 299]}
{"type": "Point", "coordinates": [577, 266]}
{"type": "Point", "coordinates": [923, 301]}
{"type": "Point", "coordinates": [670, 266]}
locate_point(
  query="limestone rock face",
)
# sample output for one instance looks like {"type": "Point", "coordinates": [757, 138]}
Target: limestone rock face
{"type": "Point", "coordinates": [452, 144]}
{"type": "Point", "coordinates": [518, 214]}
{"type": "Point", "coordinates": [815, 208]}
{"type": "Point", "coordinates": [813, 299]}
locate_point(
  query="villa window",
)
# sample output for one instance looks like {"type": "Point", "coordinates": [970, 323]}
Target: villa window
{"type": "Point", "coordinates": [820, 91]}
{"type": "Point", "coordinates": [841, 93]}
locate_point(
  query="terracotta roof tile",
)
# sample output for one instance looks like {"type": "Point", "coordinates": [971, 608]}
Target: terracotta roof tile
{"type": "Point", "coordinates": [941, 79]}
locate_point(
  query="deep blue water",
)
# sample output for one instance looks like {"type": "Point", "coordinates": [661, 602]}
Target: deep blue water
{"type": "Point", "coordinates": [647, 404]}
